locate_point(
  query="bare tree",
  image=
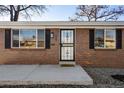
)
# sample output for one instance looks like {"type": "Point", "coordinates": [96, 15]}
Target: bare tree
{"type": "Point", "coordinates": [98, 13]}
{"type": "Point", "coordinates": [14, 11]}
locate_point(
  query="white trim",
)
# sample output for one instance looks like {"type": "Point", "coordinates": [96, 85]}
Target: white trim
{"type": "Point", "coordinates": [36, 38]}
{"type": "Point", "coordinates": [59, 42]}
{"type": "Point", "coordinates": [49, 27]}
{"type": "Point", "coordinates": [104, 38]}
{"type": "Point", "coordinates": [19, 38]}
{"type": "Point", "coordinates": [75, 44]}
{"type": "Point", "coordinates": [60, 24]}
{"type": "Point", "coordinates": [36, 30]}
{"type": "Point", "coordinates": [11, 39]}
{"type": "Point", "coordinates": [45, 39]}
{"type": "Point", "coordinates": [4, 38]}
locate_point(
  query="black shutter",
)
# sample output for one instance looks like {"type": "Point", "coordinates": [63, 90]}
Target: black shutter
{"type": "Point", "coordinates": [7, 38]}
{"type": "Point", "coordinates": [91, 38]}
{"type": "Point", "coordinates": [47, 39]}
{"type": "Point", "coordinates": [118, 39]}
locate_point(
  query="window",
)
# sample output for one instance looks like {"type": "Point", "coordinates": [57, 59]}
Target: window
{"type": "Point", "coordinates": [15, 38]}
{"type": "Point", "coordinates": [41, 37]}
{"type": "Point", "coordinates": [99, 38]}
{"type": "Point", "coordinates": [105, 38]}
{"type": "Point", "coordinates": [110, 39]}
{"type": "Point", "coordinates": [28, 38]}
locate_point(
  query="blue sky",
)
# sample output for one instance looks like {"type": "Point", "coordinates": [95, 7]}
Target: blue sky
{"type": "Point", "coordinates": [53, 13]}
{"type": "Point", "coordinates": [58, 12]}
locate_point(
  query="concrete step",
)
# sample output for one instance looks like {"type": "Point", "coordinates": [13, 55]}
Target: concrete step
{"type": "Point", "coordinates": [67, 63]}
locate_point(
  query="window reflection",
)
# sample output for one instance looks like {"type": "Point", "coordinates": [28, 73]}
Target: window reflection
{"type": "Point", "coordinates": [105, 38]}
{"type": "Point", "coordinates": [99, 38]}
{"type": "Point", "coordinates": [110, 39]}
{"type": "Point", "coordinates": [27, 38]}
{"type": "Point", "coordinates": [15, 38]}
{"type": "Point", "coordinates": [41, 38]}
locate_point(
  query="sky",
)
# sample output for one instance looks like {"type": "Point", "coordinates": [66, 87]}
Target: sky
{"type": "Point", "coordinates": [57, 13]}
{"type": "Point", "coordinates": [53, 13]}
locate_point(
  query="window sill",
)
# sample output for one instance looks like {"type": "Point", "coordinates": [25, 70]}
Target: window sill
{"type": "Point", "coordinates": [105, 49]}
{"type": "Point", "coordinates": [27, 49]}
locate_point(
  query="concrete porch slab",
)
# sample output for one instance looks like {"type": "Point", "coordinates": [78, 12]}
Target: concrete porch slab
{"type": "Point", "coordinates": [43, 74]}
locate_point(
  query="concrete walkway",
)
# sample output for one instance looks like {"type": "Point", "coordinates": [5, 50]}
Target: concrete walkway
{"type": "Point", "coordinates": [43, 74]}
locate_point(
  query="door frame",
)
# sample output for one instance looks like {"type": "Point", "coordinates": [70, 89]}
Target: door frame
{"type": "Point", "coordinates": [74, 30]}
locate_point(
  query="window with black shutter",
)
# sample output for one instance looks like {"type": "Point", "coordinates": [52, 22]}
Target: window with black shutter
{"type": "Point", "coordinates": [106, 39]}
{"type": "Point", "coordinates": [47, 39]}
{"type": "Point", "coordinates": [118, 39]}
{"type": "Point", "coordinates": [7, 38]}
{"type": "Point", "coordinates": [91, 38]}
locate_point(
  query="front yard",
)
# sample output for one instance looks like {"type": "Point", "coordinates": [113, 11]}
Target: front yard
{"type": "Point", "coordinates": [101, 76]}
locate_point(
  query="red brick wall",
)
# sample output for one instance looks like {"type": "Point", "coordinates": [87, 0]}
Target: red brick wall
{"type": "Point", "coordinates": [83, 56]}
{"type": "Point", "coordinates": [30, 56]}
{"type": "Point", "coordinates": [96, 58]}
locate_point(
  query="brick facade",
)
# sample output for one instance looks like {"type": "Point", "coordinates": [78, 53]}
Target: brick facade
{"type": "Point", "coordinates": [95, 57]}
{"type": "Point", "coordinates": [30, 56]}
{"type": "Point", "coordinates": [83, 56]}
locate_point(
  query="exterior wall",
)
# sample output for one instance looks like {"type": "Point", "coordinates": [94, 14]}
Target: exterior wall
{"type": "Point", "coordinates": [30, 56]}
{"type": "Point", "coordinates": [84, 56]}
{"type": "Point", "coordinates": [95, 57]}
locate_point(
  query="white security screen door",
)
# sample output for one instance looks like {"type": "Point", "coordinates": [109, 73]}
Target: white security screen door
{"type": "Point", "coordinates": [67, 44]}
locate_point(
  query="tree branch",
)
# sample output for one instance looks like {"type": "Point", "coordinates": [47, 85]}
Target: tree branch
{"type": "Point", "coordinates": [24, 8]}
{"type": "Point", "coordinates": [5, 7]}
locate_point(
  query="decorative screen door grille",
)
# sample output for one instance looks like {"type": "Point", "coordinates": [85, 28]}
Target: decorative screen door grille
{"type": "Point", "coordinates": [67, 44]}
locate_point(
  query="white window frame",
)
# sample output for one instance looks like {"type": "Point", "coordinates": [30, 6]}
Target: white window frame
{"type": "Point", "coordinates": [105, 30]}
{"type": "Point", "coordinates": [36, 30]}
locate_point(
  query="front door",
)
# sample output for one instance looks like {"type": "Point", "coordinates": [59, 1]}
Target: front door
{"type": "Point", "coordinates": [67, 45]}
